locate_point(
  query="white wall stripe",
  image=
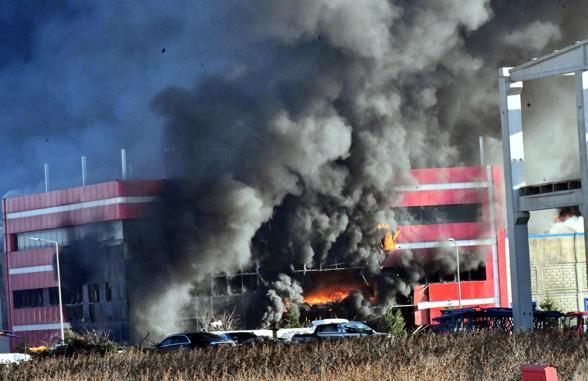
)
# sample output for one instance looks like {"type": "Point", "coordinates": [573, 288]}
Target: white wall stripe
{"type": "Point", "coordinates": [454, 303]}
{"type": "Point", "coordinates": [435, 244]}
{"type": "Point", "coordinates": [30, 269]}
{"type": "Point", "coordinates": [81, 205]}
{"type": "Point", "coordinates": [440, 186]}
{"type": "Point", "coordinates": [39, 327]}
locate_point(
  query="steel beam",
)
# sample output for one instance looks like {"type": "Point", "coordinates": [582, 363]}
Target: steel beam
{"type": "Point", "coordinates": [551, 200]}
{"type": "Point", "coordinates": [582, 119]}
{"type": "Point", "coordinates": [570, 59]}
{"type": "Point", "coordinates": [514, 160]}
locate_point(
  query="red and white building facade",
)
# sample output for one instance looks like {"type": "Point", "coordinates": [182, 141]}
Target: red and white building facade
{"type": "Point", "coordinates": [99, 213]}
{"type": "Point", "coordinates": [465, 204]}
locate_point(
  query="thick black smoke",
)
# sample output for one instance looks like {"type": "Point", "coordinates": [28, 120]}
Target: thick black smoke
{"type": "Point", "coordinates": [291, 120]}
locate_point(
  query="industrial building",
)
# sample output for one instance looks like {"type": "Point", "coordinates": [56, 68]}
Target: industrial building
{"type": "Point", "coordinates": [460, 203]}
{"type": "Point", "coordinates": [92, 219]}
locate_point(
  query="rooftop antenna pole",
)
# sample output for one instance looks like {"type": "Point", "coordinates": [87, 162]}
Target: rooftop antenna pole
{"type": "Point", "coordinates": [83, 170]}
{"type": "Point", "coordinates": [123, 159]}
{"type": "Point", "coordinates": [482, 156]}
{"type": "Point", "coordinates": [46, 169]}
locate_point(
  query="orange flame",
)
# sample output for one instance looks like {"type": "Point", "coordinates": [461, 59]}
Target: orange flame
{"type": "Point", "coordinates": [389, 241]}
{"type": "Point", "coordinates": [330, 294]}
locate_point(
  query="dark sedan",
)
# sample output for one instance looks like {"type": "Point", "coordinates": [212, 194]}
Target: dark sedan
{"type": "Point", "coordinates": [191, 340]}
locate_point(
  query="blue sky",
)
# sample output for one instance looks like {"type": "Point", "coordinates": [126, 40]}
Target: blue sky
{"type": "Point", "coordinates": [79, 78]}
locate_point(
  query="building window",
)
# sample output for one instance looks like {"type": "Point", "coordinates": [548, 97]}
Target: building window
{"type": "Point", "coordinates": [75, 313]}
{"type": "Point", "coordinates": [250, 282]}
{"type": "Point", "coordinates": [53, 296]}
{"type": "Point", "coordinates": [101, 232]}
{"type": "Point", "coordinates": [91, 313]}
{"type": "Point", "coordinates": [439, 214]}
{"type": "Point", "coordinates": [94, 293]}
{"type": "Point", "coordinates": [28, 298]}
{"type": "Point", "coordinates": [75, 296]}
{"type": "Point", "coordinates": [107, 292]}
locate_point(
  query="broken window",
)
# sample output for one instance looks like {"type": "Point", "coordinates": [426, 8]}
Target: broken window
{"type": "Point", "coordinates": [107, 292]}
{"type": "Point", "coordinates": [53, 296]}
{"type": "Point", "coordinates": [94, 293]}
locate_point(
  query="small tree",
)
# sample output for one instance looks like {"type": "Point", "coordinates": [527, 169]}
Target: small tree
{"type": "Point", "coordinates": [393, 321]}
{"type": "Point", "coordinates": [549, 304]}
{"type": "Point", "coordinates": [292, 318]}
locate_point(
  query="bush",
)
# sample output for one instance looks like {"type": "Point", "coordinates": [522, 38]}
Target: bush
{"type": "Point", "coordinates": [94, 341]}
{"type": "Point", "coordinates": [292, 318]}
{"type": "Point", "coordinates": [549, 304]}
{"type": "Point", "coordinates": [393, 322]}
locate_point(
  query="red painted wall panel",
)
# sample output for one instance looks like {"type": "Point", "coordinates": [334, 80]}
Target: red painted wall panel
{"type": "Point", "coordinates": [440, 197]}
{"type": "Point", "coordinates": [82, 194]}
{"type": "Point", "coordinates": [469, 290]}
{"type": "Point", "coordinates": [502, 269]}
{"type": "Point", "coordinates": [76, 217]}
{"type": "Point", "coordinates": [32, 280]}
{"type": "Point", "coordinates": [40, 315]}
{"type": "Point", "coordinates": [436, 232]}
{"type": "Point", "coordinates": [392, 259]}
{"type": "Point", "coordinates": [25, 258]}
{"type": "Point", "coordinates": [449, 175]}
{"type": "Point", "coordinates": [421, 294]}
{"type": "Point", "coordinates": [34, 338]}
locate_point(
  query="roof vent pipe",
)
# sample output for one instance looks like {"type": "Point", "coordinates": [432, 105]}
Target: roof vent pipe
{"type": "Point", "coordinates": [84, 170]}
{"type": "Point", "coordinates": [482, 152]}
{"type": "Point", "coordinates": [123, 159]}
{"type": "Point", "coordinates": [46, 169]}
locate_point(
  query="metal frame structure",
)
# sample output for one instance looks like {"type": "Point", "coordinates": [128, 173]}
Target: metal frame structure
{"type": "Point", "coordinates": [520, 198]}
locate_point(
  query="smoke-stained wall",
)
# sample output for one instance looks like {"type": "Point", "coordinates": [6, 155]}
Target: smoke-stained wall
{"type": "Point", "coordinates": [291, 120]}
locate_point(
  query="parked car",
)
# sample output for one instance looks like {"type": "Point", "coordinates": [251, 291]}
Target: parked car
{"type": "Point", "coordinates": [191, 340]}
{"type": "Point", "coordinates": [243, 337]}
{"type": "Point", "coordinates": [336, 331]}
{"type": "Point", "coordinates": [315, 323]}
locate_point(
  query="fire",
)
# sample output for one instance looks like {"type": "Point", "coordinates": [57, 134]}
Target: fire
{"type": "Point", "coordinates": [330, 294]}
{"type": "Point", "coordinates": [389, 241]}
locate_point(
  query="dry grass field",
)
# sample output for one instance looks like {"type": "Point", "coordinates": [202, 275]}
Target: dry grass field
{"type": "Point", "coordinates": [477, 356]}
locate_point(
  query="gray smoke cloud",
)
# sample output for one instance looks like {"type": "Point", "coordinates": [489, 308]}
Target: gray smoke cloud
{"type": "Point", "coordinates": [353, 94]}
{"type": "Point", "coordinates": [338, 119]}
{"type": "Point", "coordinates": [284, 288]}
{"type": "Point", "coordinates": [290, 120]}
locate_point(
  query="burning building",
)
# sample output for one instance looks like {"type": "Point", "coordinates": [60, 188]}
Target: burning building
{"type": "Point", "coordinates": [102, 243]}
{"type": "Point", "coordinates": [91, 225]}
{"type": "Point", "coordinates": [417, 263]}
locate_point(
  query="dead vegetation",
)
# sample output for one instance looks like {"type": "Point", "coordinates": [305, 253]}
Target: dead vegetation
{"type": "Point", "coordinates": [478, 356]}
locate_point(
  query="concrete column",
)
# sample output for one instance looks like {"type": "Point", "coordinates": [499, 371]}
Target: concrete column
{"type": "Point", "coordinates": [582, 118]}
{"type": "Point", "coordinates": [514, 177]}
